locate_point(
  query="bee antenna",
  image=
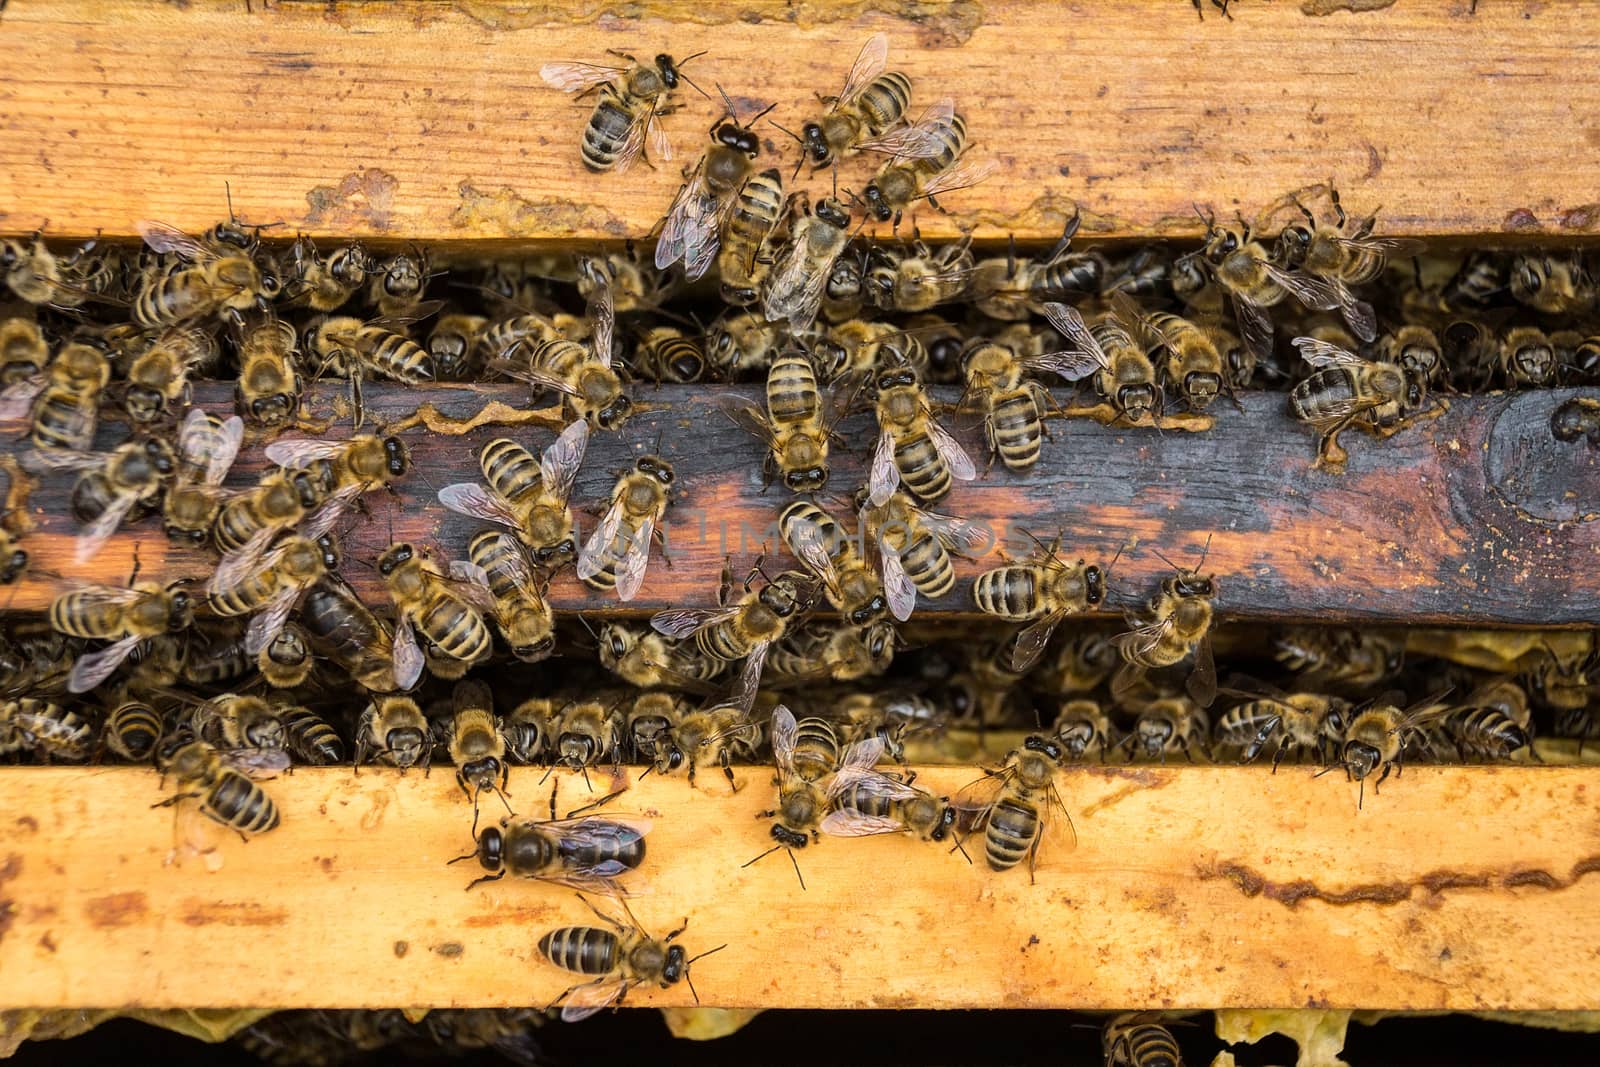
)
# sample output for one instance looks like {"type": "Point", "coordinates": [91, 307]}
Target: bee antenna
{"type": "Point", "coordinates": [1157, 553]}
{"type": "Point", "coordinates": [733, 112]}
{"type": "Point", "coordinates": [760, 114]}
{"type": "Point", "coordinates": [703, 955]}
{"type": "Point", "coordinates": [227, 189]}
{"type": "Point", "coordinates": [763, 856]}
{"type": "Point", "coordinates": [1204, 553]}
{"type": "Point", "coordinates": [796, 863]}
{"type": "Point", "coordinates": [470, 855]}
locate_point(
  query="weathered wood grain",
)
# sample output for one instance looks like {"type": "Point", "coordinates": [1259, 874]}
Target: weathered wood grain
{"type": "Point", "coordinates": [430, 122]}
{"type": "Point", "coordinates": [1194, 887]}
{"type": "Point", "coordinates": [1479, 515]}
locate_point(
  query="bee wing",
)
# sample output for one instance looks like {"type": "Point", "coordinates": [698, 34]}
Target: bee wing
{"type": "Point", "coordinates": [796, 290]}
{"type": "Point", "coordinates": [472, 584]}
{"type": "Point", "coordinates": [744, 689]}
{"type": "Point", "coordinates": [884, 477]}
{"type": "Point", "coordinates": [238, 562]}
{"type": "Point", "coordinates": [408, 658]}
{"type": "Point", "coordinates": [1320, 354]}
{"type": "Point", "coordinates": [869, 64]}
{"type": "Point", "coordinates": [872, 781]}
{"type": "Point", "coordinates": [682, 622]}
{"type": "Point", "coordinates": [17, 400]}
{"type": "Point", "coordinates": [90, 670]}
{"type": "Point", "coordinates": [747, 415]}
{"type": "Point", "coordinates": [1032, 641]}
{"type": "Point", "coordinates": [1255, 329]}
{"type": "Point", "coordinates": [660, 145]}
{"type": "Point", "coordinates": [920, 140]}
{"type": "Point", "coordinates": [630, 571]}
{"type": "Point", "coordinates": [596, 551]}
{"type": "Point", "coordinates": [963, 175]}
{"type": "Point", "coordinates": [572, 77]}
{"type": "Point", "coordinates": [58, 459]}
{"type": "Point", "coordinates": [326, 516]}
{"type": "Point", "coordinates": [1137, 644]}
{"type": "Point", "coordinates": [950, 450]}
{"type": "Point", "coordinates": [1389, 247]}
{"type": "Point", "coordinates": [690, 233]}
{"type": "Point", "coordinates": [104, 525]}
{"type": "Point", "coordinates": [593, 997]}
{"type": "Point", "coordinates": [961, 536]}
{"type": "Point", "coordinates": [164, 238]}
{"type": "Point", "coordinates": [1057, 832]}
{"type": "Point", "coordinates": [268, 623]}
{"type": "Point", "coordinates": [808, 549]}
{"type": "Point", "coordinates": [1357, 314]}
{"type": "Point", "coordinates": [782, 731]}
{"type": "Point", "coordinates": [603, 314]}
{"type": "Point", "coordinates": [297, 452]}
{"type": "Point", "coordinates": [848, 822]}
{"type": "Point", "coordinates": [478, 502]}
{"type": "Point", "coordinates": [975, 799]}
{"type": "Point", "coordinates": [1310, 290]}
{"type": "Point", "coordinates": [596, 836]}
{"type": "Point", "coordinates": [257, 764]}
{"type": "Point", "coordinates": [534, 376]}
{"type": "Point", "coordinates": [1202, 681]}
{"type": "Point", "coordinates": [1088, 357]}
{"type": "Point", "coordinates": [861, 756]}
{"type": "Point", "coordinates": [897, 585]}
{"type": "Point", "coordinates": [225, 440]}
{"type": "Point", "coordinates": [558, 465]}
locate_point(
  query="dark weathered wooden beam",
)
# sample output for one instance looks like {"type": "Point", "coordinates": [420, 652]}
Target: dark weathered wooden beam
{"type": "Point", "coordinates": [1479, 515]}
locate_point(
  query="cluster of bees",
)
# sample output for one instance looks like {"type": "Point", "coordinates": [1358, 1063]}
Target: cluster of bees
{"type": "Point", "coordinates": [221, 684]}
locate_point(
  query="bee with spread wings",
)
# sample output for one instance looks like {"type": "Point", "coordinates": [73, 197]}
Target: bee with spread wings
{"type": "Point", "coordinates": [616, 555]}
{"type": "Point", "coordinates": [913, 448]}
{"type": "Point", "coordinates": [526, 498]}
{"type": "Point", "coordinates": [692, 231]}
{"type": "Point", "coordinates": [915, 546]}
{"type": "Point", "coordinates": [632, 99]}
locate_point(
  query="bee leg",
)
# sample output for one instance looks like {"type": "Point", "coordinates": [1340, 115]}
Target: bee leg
{"type": "Point", "coordinates": [486, 878]}
{"type": "Point", "coordinates": [173, 799]}
{"type": "Point", "coordinates": [727, 770]}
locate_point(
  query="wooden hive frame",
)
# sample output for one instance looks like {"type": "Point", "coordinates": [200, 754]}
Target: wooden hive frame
{"type": "Point", "coordinates": [1457, 888]}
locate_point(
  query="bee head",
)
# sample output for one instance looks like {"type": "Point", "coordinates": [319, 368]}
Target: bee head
{"type": "Point", "coordinates": [1048, 747]}
{"type": "Point", "coordinates": [1528, 276]}
{"type": "Point", "coordinates": [676, 965]}
{"type": "Point", "coordinates": [1293, 243]}
{"type": "Point", "coordinates": [947, 822]}
{"type": "Point", "coordinates": [734, 136]}
{"type": "Point", "coordinates": [815, 144]}
{"type": "Point", "coordinates": [160, 455]}
{"type": "Point", "coordinates": [877, 206]}
{"type": "Point", "coordinates": [536, 651]}
{"type": "Point", "coordinates": [180, 613]}
{"type": "Point", "coordinates": [614, 414]}
{"type": "Point", "coordinates": [1360, 759]}
{"type": "Point", "coordinates": [393, 557]}
{"type": "Point", "coordinates": [737, 295]}
{"type": "Point", "coordinates": [13, 565]}
{"type": "Point", "coordinates": [668, 69]}
{"type": "Point", "coordinates": [490, 844]}
{"type": "Point", "coordinates": [808, 480]}
{"type": "Point", "coordinates": [872, 609]}
{"type": "Point", "coordinates": [657, 468]}
{"type": "Point", "coordinates": [396, 458]}
{"type": "Point", "coordinates": [1094, 584]}
{"type": "Point", "coordinates": [836, 214]}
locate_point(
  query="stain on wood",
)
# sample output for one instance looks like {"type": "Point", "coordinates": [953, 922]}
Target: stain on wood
{"type": "Point", "coordinates": [1479, 515]}
{"type": "Point", "coordinates": [383, 116]}
{"type": "Point", "coordinates": [1187, 891]}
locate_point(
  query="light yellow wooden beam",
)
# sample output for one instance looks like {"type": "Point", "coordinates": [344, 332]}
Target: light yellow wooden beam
{"type": "Point", "coordinates": [1190, 887]}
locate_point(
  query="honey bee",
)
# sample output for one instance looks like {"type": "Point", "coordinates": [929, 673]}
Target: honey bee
{"type": "Point", "coordinates": [1176, 628]}
{"type": "Point", "coordinates": [1376, 735]}
{"type": "Point", "coordinates": [1012, 289]}
{"type": "Point", "coordinates": [133, 730]}
{"type": "Point", "coordinates": [912, 447]}
{"type": "Point", "coordinates": [272, 589]}
{"type": "Point", "coordinates": [796, 286]}
{"type": "Point", "coordinates": [742, 343]}
{"type": "Point", "coordinates": [394, 730]}
{"type": "Point", "coordinates": [1082, 725]}
{"type": "Point", "coordinates": [287, 660]}
{"type": "Point", "coordinates": [1493, 723]}
{"type": "Point", "coordinates": [453, 346]}
{"type": "Point", "coordinates": [587, 853]}
{"type": "Point", "coordinates": [63, 402]}
{"type": "Point", "coordinates": [1527, 358]}
{"type": "Point", "coordinates": [616, 554]}
{"type": "Point", "coordinates": [223, 784]}
{"type": "Point", "coordinates": [647, 729]}
{"type": "Point", "coordinates": [839, 561]}
{"type": "Point", "coordinates": [710, 197]}
{"type": "Point", "coordinates": [1124, 376]}
{"type": "Point", "coordinates": [1243, 268]}
{"type": "Point", "coordinates": [644, 658]}
{"type": "Point", "coordinates": [206, 450]}
{"type": "Point", "coordinates": [110, 485]}
{"type": "Point", "coordinates": [716, 735]}
{"type": "Point", "coordinates": [1416, 350]}
{"type": "Point", "coordinates": [15, 522]}
{"type": "Point", "coordinates": [45, 729]}
{"type": "Point", "coordinates": [23, 350]}
{"type": "Point", "coordinates": [1139, 1039]}
{"type": "Point", "coordinates": [1041, 592]}
{"type": "Point", "coordinates": [796, 425]}
{"type": "Point", "coordinates": [866, 113]}
{"type": "Point", "coordinates": [1082, 662]}
{"type": "Point", "coordinates": [159, 376]}
{"type": "Point", "coordinates": [743, 629]}
{"type": "Point", "coordinates": [1012, 406]}
{"type": "Point", "coordinates": [396, 287]}
{"type": "Point", "coordinates": [845, 295]}
{"type": "Point", "coordinates": [868, 802]}
{"type": "Point", "coordinates": [1191, 363]}
{"type": "Point", "coordinates": [922, 279]}
{"type": "Point", "coordinates": [615, 960]}
{"type": "Point", "coordinates": [477, 746]}
{"type": "Point", "coordinates": [209, 277]}
{"type": "Point", "coordinates": [327, 282]}
{"type": "Point", "coordinates": [1346, 391]}
{"type": "Point", "coordinates": [583, 373]}
{"type": "Point", "coordinates": [360, 464]}
{"type": "Point", "coordinates": [342, 628]}
{"type": "Point", "coordinates": [839, 653]}
{"type": "Point", "coordinates": [231, 721]}
{"type": "Point", "coordinates": [586, 733]}
{"type": "Point", "coordinates": [1576, 418]}
{"type": "Point", "coordinates": [448, 614]}
{"type": "Point", "coordinates": [269, 386]}
{"type": "Point", "coordinates": [1012, 806]}
{"type": "Point", "coordinates": [938, 169]}
{"type": "Point", "coordinates": [526, 495]}
{"type": "Point", "coordinates": [667, 354]}
{"type": "Point", "coordinates": [624, 118]}
{"type": "Point", "coordinates": [1167, 725]}
{"type": "Point", "coordinates": [744, 260]}
{"type": "Point", "coordinates": [1328, 253]}
{"type": "Point", "coordinates": [1298, 722]}
{"type": "Point", "coordinates": [248, 522]}
{"type": "Point", "coordinates": [915, 546]}
{"type": "Point", "coordinates": [1357, 658]}
{"type": "Point", "coordinates": [40, 277]}
{"type": "Point", "coordinates": [1563, 683]}
{"type": "Point", "coordinates": [524, 618]}
{"type": "Point", "coordinates": [353, 349]}
{"type": "Point", "coordinates": [1553, 284]}
{"type": "Point", "coordinates": [803, 796]}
